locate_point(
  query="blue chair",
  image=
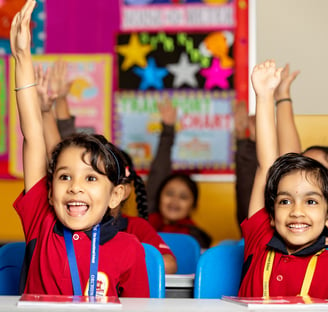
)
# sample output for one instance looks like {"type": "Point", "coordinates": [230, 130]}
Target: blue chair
{"type": "Point", "coordinates": [11, 261]}
{"type": "Point", "coordinates": [232, 241]}
{"type": "Point", "coordinates": [186, 250]}
{"type": "Point", "coordinates": [219, 271]}
{"type": "Point", "coordinates": [155, 270]}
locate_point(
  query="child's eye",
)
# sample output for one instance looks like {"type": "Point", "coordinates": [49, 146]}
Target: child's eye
{"type": "Point", "coordinates": [284, 202]}
{"type": "Point", "coordinates": [312, 202]}
{"type": "Point", "coordinates": [64, 177]}
{"type": "Point", "coordinates": [91, 178]}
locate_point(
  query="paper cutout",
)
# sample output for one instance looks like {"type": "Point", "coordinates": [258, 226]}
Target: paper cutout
{"type": "Point", "coordinates": [216, 75]}
{"type": "Point", "coordinates": [151, 76]}
{"type": "Point", "coordinates": [184, 72]}
{"type": "Point", "coordinates": [88, 99]}
{"type": "Point", "coordinates": [204, 132]}
{"type": "Point", "coordinates": [134, 52]}
{"type": "Point", "coordinates": [182, 55]}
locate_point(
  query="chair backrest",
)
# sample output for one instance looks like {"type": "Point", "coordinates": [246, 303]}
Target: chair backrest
{"type": "Point", "coordinates": [219, 271]}
{"type": "Point", "coordinates": [11, 261]}
{"type": "Point", "coordinates": [155, 270]}
{"type": "Point", "coordinates": [186, 250]}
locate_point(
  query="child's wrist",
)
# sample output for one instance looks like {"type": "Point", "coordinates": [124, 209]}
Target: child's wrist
{"type": "Point", "coordinates": [281, 100]}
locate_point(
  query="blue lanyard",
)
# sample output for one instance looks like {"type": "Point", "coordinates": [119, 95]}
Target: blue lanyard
{"type": "Point", "coordinates": [93, 261]}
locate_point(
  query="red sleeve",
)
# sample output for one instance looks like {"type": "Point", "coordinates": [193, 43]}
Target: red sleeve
{"type": "Point", "coordinates": [134, 281]}
{"type": "Point", "coordinates": [147, 234]}
{"type": "Point", "coordinates": [256, 231]}
{"type": "Point", "coordinates": [33, 208]}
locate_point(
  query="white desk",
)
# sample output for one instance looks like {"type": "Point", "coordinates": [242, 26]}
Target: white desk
{"type": "Point", "coordinates": [8, 304]}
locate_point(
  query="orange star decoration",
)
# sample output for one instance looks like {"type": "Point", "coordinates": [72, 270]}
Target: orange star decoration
{"type": "Point", "coordinates": [134, 53]}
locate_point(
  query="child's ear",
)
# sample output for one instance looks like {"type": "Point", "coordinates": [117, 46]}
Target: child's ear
{"type": "Point", "coordinates": [117, 196]}
{"type": "Point", "coordinates": [326, 223]}
{"type": "Point", "coordinates": [272, 223]}
{"type": "Point", "coordinates": [50, 197]}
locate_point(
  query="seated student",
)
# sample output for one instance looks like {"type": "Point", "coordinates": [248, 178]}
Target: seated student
{"type": "Point", "coordinates": [288, 140]}
{"type": "Point", "coordinates": [284, 234]}
{"type": "Point", "coordinates": [66, 212]}
{"type": "Point", "coordinates": [56, 79]}
{"type": "Point", "coordinates": [172, 196]}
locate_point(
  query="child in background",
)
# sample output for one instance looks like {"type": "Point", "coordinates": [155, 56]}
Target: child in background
{"type": "Point", "coordinates": [56, 77]}
{"type": "Point", "coordinates": [285, 251]}
{"type": "Point", "coordinates": [66, 212]}
{"type": "Point", "coordinates": [172, 196]}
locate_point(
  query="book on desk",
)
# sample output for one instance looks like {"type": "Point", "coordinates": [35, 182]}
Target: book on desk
{"type": "Point", "coordinates": [56, 301]}
{"type": "Point", "coordinates": [292, 302]}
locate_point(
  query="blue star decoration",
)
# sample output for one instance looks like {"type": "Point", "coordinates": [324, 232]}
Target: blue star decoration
{"type": "Point", "coordinates": [151, 75]}
{"type": "Point", "coordinates": [184, 72]}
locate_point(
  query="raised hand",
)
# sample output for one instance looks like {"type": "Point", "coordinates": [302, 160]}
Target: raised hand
{"type": "Point", "coordinates": [58, 85]}
{"type": "Point", "coordinates": [20, 36]}
{"type": "Point", "coordinates": [265, 78]}
{"type": "Point", "coordinates": [42, 80]}
{"type": "Point", "coordinates": [167, 111]}
{"type": "Point", "coordinates": [283, 89]}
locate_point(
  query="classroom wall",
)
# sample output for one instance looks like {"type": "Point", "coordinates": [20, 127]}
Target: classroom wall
{"type": "Point", "coordinates": [216, 211]}
{"type": "Point", "coordinates": [295, 32]}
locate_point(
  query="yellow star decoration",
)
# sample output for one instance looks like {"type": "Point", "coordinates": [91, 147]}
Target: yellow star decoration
{"type": "Point", "coordinates": [134, 53]}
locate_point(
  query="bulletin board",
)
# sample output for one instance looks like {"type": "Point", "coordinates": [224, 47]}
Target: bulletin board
{"type": "Point", "coordinates": [88, 98]}
{"type": "Point", "coordinates": [3, 119]}
{"type": "Point", "coordinates": [195, 54]}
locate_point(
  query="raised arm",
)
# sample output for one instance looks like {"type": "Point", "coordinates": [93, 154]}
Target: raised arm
{"type": "Point", "coordinates": [161, 165]}
{"type": "Point", "coordinates": [288, 138]}
{"type": "Point", "coordinates": [50, 130]}
{"type": "Point", "coordinates": [60, 86]}
{"type": "Point", "coordinates": [34, 151]}
{"type": "Point", "coordinates": [265, 78]}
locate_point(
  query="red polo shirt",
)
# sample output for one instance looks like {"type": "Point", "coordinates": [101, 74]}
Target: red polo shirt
{"type": "Point", "coordinates": [288, 270]}
{"type": "Point", "coordinates": [121, 270]}
{"type": "Point", "coordinates": [144, 232]}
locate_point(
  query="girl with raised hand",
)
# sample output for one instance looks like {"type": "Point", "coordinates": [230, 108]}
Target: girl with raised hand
{"type": "Point", "coordinates": [73, 246]}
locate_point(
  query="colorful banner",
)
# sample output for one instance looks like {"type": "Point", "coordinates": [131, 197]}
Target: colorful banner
{"type": "Point", "coordinates": [149, 15]}
{"type": "Point", "coordinates": [8, 9]}
{"type": "Point", "coordinates": [3, 108]}
{"type": "Point", "coordinates": [89, 98]}
{"type": "Point", "coordinates": [204, 142]}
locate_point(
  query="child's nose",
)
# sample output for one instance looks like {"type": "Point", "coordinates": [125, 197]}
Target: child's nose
{"type": "Point", "coordinates": [75, 187]}
{"type": "Point", "coordinates": [297, 210]}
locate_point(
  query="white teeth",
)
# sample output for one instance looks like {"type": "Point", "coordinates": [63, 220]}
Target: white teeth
{"type": "Point", "coordinates": [297, 226]}
{"type": "Point", "coordinates": [76, 204]}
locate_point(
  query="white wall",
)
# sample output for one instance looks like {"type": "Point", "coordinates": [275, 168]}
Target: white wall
{"type": "Point", "coordinates": [296, 32]}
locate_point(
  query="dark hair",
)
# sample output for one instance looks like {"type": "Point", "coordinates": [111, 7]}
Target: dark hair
{"type": "Point", "coordinates": [286, 164]}
{"type": "Point", "coordinates": [139, 187]}
{"type": "Point", "coordinates": [99, 149]}
{"type": "Point", "coordinates": [321, 148]}
{"type": "Point", "coordinates": [185, 178]}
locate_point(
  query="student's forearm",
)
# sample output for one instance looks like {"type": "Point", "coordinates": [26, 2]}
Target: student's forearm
{"type": "Point", "coordinates": [266, 149]}
{"type": "Point", "coordinates": [170, 264]}
{"type": "Point", "coordinates": [50, 130]}
{"type": "Point", "coordinates": [288, 137]}
{"type": "Point", "coordinates": [266, 137]}
{"type": "Point", "coordinates": [61, 108]}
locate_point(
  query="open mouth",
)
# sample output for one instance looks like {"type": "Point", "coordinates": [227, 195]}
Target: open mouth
{"type": "Point", "coordinates": [77, 209]}
{"type": "Point", "coordinates": [298, 227]}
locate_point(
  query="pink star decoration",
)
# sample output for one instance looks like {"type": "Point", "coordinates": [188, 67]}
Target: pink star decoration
{"type": "Point", "coordinates": [216, 75]}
